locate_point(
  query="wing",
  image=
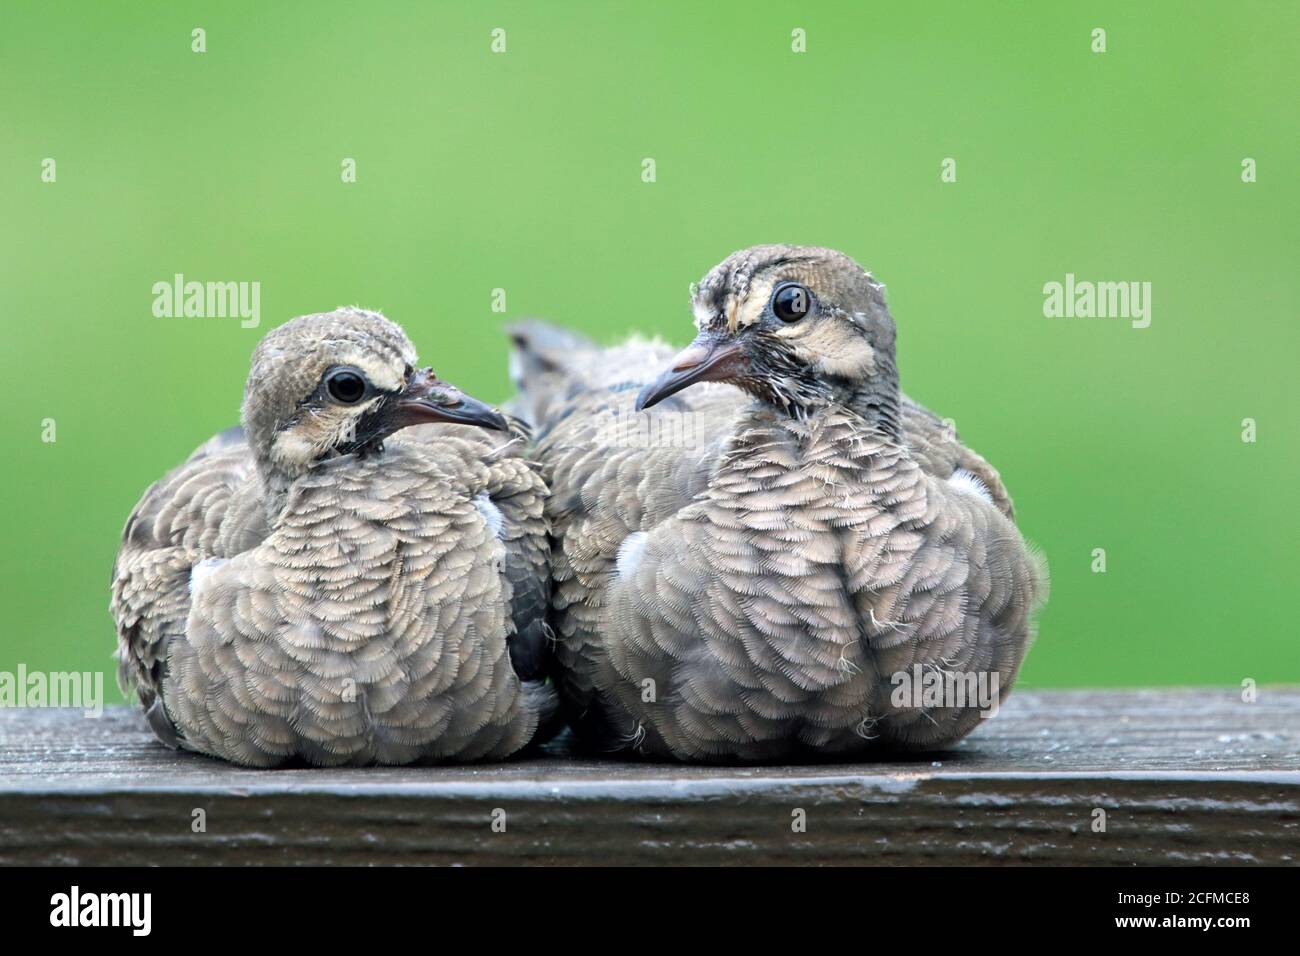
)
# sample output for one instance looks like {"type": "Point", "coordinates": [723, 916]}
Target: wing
{"type": "Point", "coordinates": [952, 593]}
{"type": "Point", "coordinates": [518, 493]}
{"type": "Point", "coordinates": [938, 449]}
{"type": "Point", "coordinates": [197, 511]}
{"type": "Point", "coordinates": [514, 508]}
{"type": "Point", "coordinates": [614, 472]}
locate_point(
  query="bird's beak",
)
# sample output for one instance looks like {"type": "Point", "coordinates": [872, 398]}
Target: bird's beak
{"type": "Point", "coordinates": [705, 360]}
{"type": "Point", "coordinates": [426, 399]}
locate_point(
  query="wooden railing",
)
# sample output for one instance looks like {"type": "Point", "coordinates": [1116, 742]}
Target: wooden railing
{"type": "Point", "coordinates": [1114, 777]}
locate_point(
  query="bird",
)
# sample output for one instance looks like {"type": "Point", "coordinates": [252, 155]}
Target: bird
{"type": "Point", "coordinates": [357, 574]}
{"type": "Point", "coordinates": [762, 550]}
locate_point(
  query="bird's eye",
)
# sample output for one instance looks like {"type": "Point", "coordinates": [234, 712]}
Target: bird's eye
{"type": "Point", "coordinates": [791, 302]}
{"type": "Point", "coordinates": [346, 387]}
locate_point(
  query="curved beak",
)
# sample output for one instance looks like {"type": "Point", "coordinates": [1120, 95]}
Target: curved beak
{"type": "Point", "coordinates": [705, 360]}
{"type": "Point", "coordinates": [428, 400]}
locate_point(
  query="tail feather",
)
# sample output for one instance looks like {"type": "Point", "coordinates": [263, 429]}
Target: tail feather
{"type": "Point", "coordinates": [542, 358]}
{"type": "Point", "coordinates": [550, 365]}
{"type": "Point", "coordinates": [539, 348]}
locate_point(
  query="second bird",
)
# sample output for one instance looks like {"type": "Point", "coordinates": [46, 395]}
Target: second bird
{"type": "Point", "coordinates": [758, 568]}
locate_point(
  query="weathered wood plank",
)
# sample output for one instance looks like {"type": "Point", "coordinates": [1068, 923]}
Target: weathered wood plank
{"type": "Point", "coordinates": [1184, 776]}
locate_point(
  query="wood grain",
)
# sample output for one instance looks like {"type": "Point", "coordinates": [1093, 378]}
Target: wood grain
{"type": "Point", "coordinates": [1184, 776]}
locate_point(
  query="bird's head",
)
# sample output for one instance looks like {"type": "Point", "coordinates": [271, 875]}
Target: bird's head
{"type": "Point", "coordinates": [798, 327]}
{"type": "Point", "coordinates": [339, 383]}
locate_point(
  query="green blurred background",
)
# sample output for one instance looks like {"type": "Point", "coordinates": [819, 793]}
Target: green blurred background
{"type": "Point", "coordinates": [522, 171]}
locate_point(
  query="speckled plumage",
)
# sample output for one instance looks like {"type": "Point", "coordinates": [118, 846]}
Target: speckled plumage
{"type": "Point", "coordinates": [740, 578]}
{"type": "Point", "coordinates": [355, 607]}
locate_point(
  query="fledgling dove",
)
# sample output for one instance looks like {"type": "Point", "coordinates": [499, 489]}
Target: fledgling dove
{"type": "Point", "coordinates": [315, 587]}
{"type": "Point", "coordinates": [743, 573]}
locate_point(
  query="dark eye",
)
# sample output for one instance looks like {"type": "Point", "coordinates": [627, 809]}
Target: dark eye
{"type": "Point", "coordinates": [346, 387]}
{"type": "Point", "coordinates": [791, 302]}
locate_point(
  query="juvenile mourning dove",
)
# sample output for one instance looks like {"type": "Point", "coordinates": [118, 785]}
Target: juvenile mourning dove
{"type": "Point", "coordinates": [780, 568]}
{"type": "Point", "coordinates": [308, 587]}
